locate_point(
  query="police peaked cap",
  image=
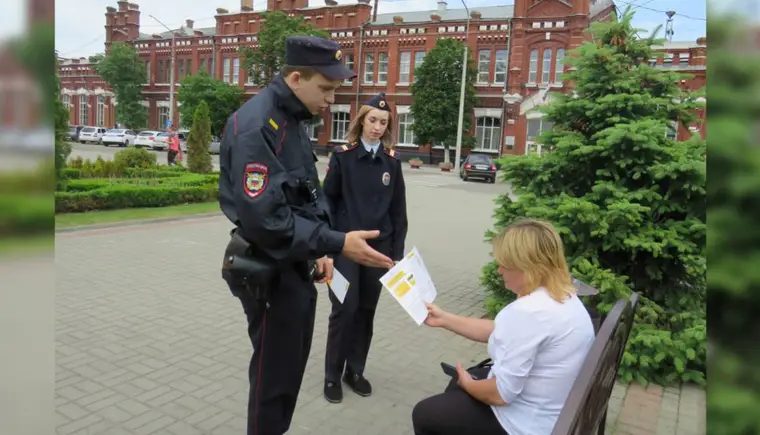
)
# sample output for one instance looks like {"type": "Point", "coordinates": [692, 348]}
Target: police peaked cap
{"type": "Point", "coordinates": [321, 54]}
{"type": "Point", "coordinates": [379, 102]}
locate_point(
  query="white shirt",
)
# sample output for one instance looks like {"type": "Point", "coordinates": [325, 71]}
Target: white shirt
{"type": "Point", "coordinates": [537, 346]}
{"type": "Point", "coordinates": [371, 148]}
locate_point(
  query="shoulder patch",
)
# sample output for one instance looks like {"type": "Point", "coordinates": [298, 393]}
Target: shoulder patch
{"type": "Point", "coordinates": [392, 153]}
{"type": "Point", "coordinates": [345, 147]}
{"type": "Point", "coordinates": [255, 179]}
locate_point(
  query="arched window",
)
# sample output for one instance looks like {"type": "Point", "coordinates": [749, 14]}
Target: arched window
{"type": "Point", "coordinates": [533, 71]}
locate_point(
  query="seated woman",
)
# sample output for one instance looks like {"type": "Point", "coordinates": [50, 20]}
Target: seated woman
{"type": "Point", "coordinates": [537, 343]}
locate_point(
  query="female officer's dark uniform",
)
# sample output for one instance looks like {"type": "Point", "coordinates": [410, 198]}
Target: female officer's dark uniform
{"type": "Point", "coordinates": [365, 191]}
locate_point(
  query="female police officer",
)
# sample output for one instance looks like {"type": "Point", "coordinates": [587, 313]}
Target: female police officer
{"type": "Point", "coordinates": [365, 189]}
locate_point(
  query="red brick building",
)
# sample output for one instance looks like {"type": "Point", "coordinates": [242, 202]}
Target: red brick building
{"type": "Point", "coordinates": [516, 49]}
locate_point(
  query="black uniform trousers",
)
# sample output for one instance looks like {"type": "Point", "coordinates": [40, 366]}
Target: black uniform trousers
{"type": "Point", "coordinates": [281, 333]}
{"type": "Point", "coordinates": [455, 412]}
{"type": "Point", "coordinates": [351, 325]}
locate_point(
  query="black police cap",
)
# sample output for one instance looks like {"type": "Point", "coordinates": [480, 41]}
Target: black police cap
{"type": "Point", "coordinates": [379, 102]}
{"type": "Point", "coordinates": [322, 55]}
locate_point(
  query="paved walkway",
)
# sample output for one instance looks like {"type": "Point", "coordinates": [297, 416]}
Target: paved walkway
{"type": "Point", "coordinates": [149, 340]}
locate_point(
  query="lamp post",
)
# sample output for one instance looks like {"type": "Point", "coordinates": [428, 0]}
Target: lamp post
{"type": "Point", "coordinates": [458, 153]}
{"type": "Point", "coordinates": [171, 71]}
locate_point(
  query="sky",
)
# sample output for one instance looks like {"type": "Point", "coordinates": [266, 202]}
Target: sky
{"type": "Point", "coordinates": [80, 32]}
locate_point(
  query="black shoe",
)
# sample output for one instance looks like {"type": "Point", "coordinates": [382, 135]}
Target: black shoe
{"type": "Point", "coordinates": [358, 383]}
{"type": "Point", "coordinates": [333, 392]}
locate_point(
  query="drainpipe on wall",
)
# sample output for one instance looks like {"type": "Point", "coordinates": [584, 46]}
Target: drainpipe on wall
{"type": "Point", "coordinates": [504, 91]}
{"type": "Point", "coordinates": [359, 64]}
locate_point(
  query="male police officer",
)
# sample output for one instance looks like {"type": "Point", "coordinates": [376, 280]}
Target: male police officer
{"type": "Point", "coordinates": [270, 190]}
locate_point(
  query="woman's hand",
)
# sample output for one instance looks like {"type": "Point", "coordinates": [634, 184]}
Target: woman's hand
{"type": "Point", "coordinates": [463, 377]}
{"type": "Point", "coordinates": [436, 317]}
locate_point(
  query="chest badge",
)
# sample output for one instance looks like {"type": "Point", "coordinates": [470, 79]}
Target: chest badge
{"type": "Point", "coordinates": [386, 178]}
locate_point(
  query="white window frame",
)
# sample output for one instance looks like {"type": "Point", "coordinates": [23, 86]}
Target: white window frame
{"type": "Point", "coordinates": [533, 67]}
{"type": "Point", "coordinates": [487, 133]}
{"type": "Point", "coordinates": [546, 67]}
{"type": "Point", "coordinates": [405, 67]}
{"type": "Point", "coordinates": [100, 114]}
{"type": "Point", "coordinates": [419, 58]}
{"type": "Point", "coordinates": [236, 71]}
{"type": "Point", "coordinates": [83, 112]}
{"type": "Point", "coordinates": [382, 68]}
{"type": "Point", "coordinates": [405, 136]}
{"type": "Point", "coordinates": [163, 116]}
{"type": "Point", "coordinates": [500, 67]}
{"type": "Point", "coordinates": [349, 61]}
{"type": "Point", "coordinates": [672, 131]}
{"type": "Point", "coordinates": [226, 70]}
{"type": "Point", "coordinates": [311, 130]}
{"type": "Point", "coordinates": [558, 66]}
{"type": "Point", "coordinates": [341, 119]}
{"type": "Point", "coordinates": [531, 142]}
{"type": "Point", "coordinates": [484, 67]}
{"type": "Point", "coordinates": [369, 68]}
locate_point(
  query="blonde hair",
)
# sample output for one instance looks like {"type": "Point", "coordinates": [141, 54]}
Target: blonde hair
{"type": "Point", "coordinates": [535, 248]}
{"type": "Point", "coordinates": [355, 128]}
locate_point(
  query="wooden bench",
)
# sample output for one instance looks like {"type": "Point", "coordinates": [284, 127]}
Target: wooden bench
{"type": "Point", "coordinates": [585, 410]}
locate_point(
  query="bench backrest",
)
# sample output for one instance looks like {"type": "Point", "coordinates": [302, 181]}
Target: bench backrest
{"type": "Point", "coordinates": [585, 409]}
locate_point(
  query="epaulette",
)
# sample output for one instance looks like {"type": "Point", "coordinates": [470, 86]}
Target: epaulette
{"type": "Point", "coordinates": [345, 147]}
{"type": "Point", "coordinates": [392, 153]}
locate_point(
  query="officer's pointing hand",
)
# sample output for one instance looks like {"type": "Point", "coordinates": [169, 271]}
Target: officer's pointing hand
{"type": "Point", "coordinates": [357, 249]}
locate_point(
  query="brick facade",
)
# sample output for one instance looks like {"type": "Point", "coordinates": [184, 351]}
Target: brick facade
{"type": "Point", "coordinates": [516, 50]}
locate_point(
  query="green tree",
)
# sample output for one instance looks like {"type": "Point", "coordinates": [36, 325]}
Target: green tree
{"type": "Point", "coordinates": [198, 157]}
{"type": "Point", "coordinates": [126, 74]}
{"type": "Point", "coordinates": [201, 87]}
{"type": "Point", "coordinates": [733, 280]}
{"type": "Point", "coordinates": [266, 61]}
{"type": "Point", "coordinates": [435, 96]}
{"type": "Point", "coordinates": [629, 202]}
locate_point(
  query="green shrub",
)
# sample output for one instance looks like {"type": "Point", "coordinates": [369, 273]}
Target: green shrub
{"type": "Point", "coordinates": [135, 158]}
{"type": "Point", "coordinates": [628, 201]}
{"type": "Point", "coordinates": [131, 196]}
{"type": "Point", "coordinates": [89, 172]}
{"type": "Point", "coordinates": [198, 157]}
{"type": "Point", "coordinates": [25, 214]}
{"type": "Point", "coordinates": [186, 180]}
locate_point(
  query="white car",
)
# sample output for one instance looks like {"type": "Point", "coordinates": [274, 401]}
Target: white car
{"type": "Point", "coordinates": [91, 134]}
{"type": "Point", "coordinates": [120, 136]}
{"type": "Point", "coordinates": [146, 138]}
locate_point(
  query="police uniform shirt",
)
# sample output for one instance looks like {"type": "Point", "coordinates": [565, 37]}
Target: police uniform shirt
{"type": "Point", "coordinates": [367, 192]}
{"type": "Point", "coordinates": [269, 186]}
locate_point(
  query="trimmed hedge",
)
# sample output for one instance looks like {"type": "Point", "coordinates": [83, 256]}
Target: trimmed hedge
{"type": "Point", "coordinates": [25, 214]}
{"type": "Point", "coordinates": [120, 196]}
{"type": "Point", "coordinates": [78, 174]}
{"type": "Point", "coordinates": [187, 180]}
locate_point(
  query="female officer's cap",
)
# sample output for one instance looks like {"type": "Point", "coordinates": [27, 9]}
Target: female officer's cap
{"type": "Point", "coordinates": [379, 102]}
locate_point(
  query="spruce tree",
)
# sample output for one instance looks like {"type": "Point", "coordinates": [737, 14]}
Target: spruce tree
{"type": "Point", "coordinates": [733, 247]}
{"type": "Point", "coordinates": [198, 156]}
{"type": "Point", "coordinates": [628, 201]}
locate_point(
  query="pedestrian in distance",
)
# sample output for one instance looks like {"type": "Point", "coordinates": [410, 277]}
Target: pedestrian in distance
{"type": "Point", "coordinates": [365, 188]}
{"type": "Point", "coordinates": [282, 242]}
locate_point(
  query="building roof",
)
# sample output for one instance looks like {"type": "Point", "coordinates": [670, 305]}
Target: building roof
{"type": "Point", "coordinates": [487, 13]}
{"type": "Point", "coordinates": [182, 31]}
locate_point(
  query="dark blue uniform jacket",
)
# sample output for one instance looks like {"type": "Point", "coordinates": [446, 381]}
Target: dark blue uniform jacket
{"type": "Point", "coordinates": [368, 193]}
{"type": "Point", "coordinates": [268, 186]}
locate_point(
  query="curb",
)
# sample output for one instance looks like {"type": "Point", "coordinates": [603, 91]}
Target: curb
{"type": "Point", "coordinates": [135, 222]}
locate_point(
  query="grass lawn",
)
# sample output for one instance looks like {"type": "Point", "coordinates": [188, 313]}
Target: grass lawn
{"type": "Point", "coordinates": [111, 216]}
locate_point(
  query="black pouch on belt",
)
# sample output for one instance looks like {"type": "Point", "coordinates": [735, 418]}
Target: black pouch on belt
{"type": "Point", "coordinates": [243, 267]}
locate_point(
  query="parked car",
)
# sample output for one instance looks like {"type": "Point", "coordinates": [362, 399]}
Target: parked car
{"type": "Point", "coordinates": [478, 166]}
{"type": "Point", "coordinates": [91, 134]}
{"type": "Point", "coordinates": [119, 136]}
{"type": "Point", "coordinates": [214, 146]}
{"type": "Point", "coordinates": [146, 138]}
{"type": "Point", "coordinates": [73, 134]}
{"type": "Point", "coordinates": [162, 141]}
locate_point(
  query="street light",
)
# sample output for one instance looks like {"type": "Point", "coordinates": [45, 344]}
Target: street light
{"type": "Point", "coordinates": [171, 71]}
{"type": "Point", "coordinates": [458, 154]}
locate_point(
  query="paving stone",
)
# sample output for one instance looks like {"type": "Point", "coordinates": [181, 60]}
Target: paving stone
{"type": "Point", "coordinates": [150, 341]}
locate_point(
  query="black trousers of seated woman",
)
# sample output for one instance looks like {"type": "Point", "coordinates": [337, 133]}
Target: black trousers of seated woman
{"type": "Point", "coordinates": [455, 412]}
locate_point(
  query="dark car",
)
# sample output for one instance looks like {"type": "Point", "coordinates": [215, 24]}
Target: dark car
{"type": "Point", "coordinates": [478, 166]}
